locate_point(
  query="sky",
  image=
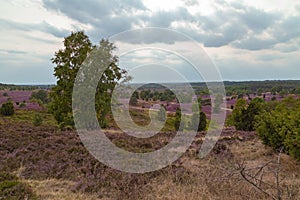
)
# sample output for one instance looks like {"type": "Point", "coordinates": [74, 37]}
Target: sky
{"type": "Point", "coordinates": [246, 40]}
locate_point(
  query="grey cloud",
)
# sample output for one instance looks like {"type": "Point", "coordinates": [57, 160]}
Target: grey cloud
{"type": "Point", "coordinates": [258, 20]}
{"type": "Point", "coordinates": [13, 51]}
{"type": "Point", "coordinates": [44, 27]}
{"type": "Point", "coordinates": [190, 2]}
{"type": "Point", "coordinates": [270, 57]}
{"type": "Point", "coordinates": [209, 23]}
{"type": "Point", "coordinates": [253, 43]}
{"type": "Point", "coordinates": [149, 36]}
{"type": "Point", "coordinates": [288, 29]}
{"type": "Point", "coordinates": [165, 18]}
{"type": "Point", "coordinates": [87, 11]}
{"type": "Point", "coordinates": [235, 24]}
{"type": "Point", "coordinates": [106, 17]}
{"type": "Point", "coordinates": [287, 48]}
{"type": "Point", "coordinates": [92, 11]}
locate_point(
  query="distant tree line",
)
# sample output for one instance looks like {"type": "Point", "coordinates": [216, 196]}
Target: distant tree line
{"type": "Point", "coordinates": [166, 95]}
{"type": "Point", "coordinates": [12, 87]}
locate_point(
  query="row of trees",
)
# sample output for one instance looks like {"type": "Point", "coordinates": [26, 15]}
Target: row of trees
{"type": "Point", "coordinates": [277, 123]}
{"type": "Point", "coordinates": [166, 95]}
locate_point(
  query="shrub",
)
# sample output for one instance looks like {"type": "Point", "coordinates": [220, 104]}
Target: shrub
{"type": "Point", "coordinates": [22, 105]}
{"type": "Point", "coordinates": [243, 116]}
{"type": "Point", "coordinates": [41, 95]}
{"type": "Point", "coordinates": [37, 120]}
{"type": "Point", "coordinates": [202, 122]}
{"type": "Point", "coordinates": [201, 126]}
{"type": "Point", "coordinates": [280, 128]}
{"type": "Point", "coordinates": [7, 109]}
{"type": "Point", "coordinates": [177, 120]}
{"type": "Point", "coordinates": [5, 94]}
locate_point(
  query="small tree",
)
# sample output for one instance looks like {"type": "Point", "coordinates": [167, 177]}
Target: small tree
{"type": "Point", "coordinates": [201, 119]}
{"type": "Point", "coordinates": [177, 119]}
{"type": "Point", "coordinates": [68, 60]}
{"type": "Point", "coordinates": [7, 109]}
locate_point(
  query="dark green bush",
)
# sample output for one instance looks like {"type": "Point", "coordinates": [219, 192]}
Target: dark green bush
{"type": "Point", "coordinates": [243, 116]}
{"type": "Point", "coordinates": [7, 109]}
{"type": "Point", "coordinates": [37, 120]}
{"type": "Point", "coordinates": [22, 105]}
{"type": "Point", "coordinates": [201, 126]}
{"type": "Point", "coordinates": [280, 128]}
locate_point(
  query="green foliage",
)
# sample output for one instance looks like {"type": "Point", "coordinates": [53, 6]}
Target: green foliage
{"type": "Point", "coordinates": [201, 119]}
{"type": "Point", "coordinates": [7, 109]}
{"type": "Point", "coordinates": [166, 95]}
{"type": "Point", "coordinates": [202, 122]}
{"type": "Point", "coordinates": [5, 94]}
{"type": "Point", "coordinates": [68, 60]}
{"type": "Point", "coordinates": [41, 95]}
{"type": "Point", "coordinates": [37, 120]}
{"type": "Point", "coordinates": [177, 119]}
{"type": "Point", "coordinates": [243, 116]}
{"type": "Point", "coordinates": [297, 90]}
{"type": "Point", "coordinates": [22, 105]}
{"type": "Point", "coordinates": [280, 127]}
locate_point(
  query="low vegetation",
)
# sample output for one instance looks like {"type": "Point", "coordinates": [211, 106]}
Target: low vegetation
{"type": "Point", "coordinates": [12, 188]}
{"type": "Point", "coordinates": [277, 123]}
{"type": "Point", "coordinates": [55, 164]}
{"type": "Point", "coordinates": [7, 109]}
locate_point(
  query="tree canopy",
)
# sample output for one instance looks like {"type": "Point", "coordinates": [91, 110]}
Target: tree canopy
{"type": "Point", "coordinates": [68, 60]}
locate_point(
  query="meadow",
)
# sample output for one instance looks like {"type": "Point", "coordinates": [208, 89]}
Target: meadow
{"type": "Point", "coordinates": [45, 162]}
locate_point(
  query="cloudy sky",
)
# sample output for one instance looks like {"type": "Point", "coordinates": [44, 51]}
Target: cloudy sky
{"type": "Point", "coordinates": [246, 40]}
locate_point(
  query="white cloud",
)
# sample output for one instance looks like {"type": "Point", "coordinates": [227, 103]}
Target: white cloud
{"type": "Point", "coordinates": [246, 37]}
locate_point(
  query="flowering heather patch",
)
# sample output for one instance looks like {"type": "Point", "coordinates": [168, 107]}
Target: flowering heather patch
{"type": "Point", "coordinates": [18, 97]}
{"type": "Point", "coordinates": [207, 111]}
{"type": "Point", "coordinates": [46, 153]}
{"type": "Point", "coordinates": [172, 107]}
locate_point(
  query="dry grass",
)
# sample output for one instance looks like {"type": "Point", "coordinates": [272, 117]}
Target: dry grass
{"type": "Point", "coordinates": [57, 166]}
{"type": "Point", "coordinates": [53, 189]}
